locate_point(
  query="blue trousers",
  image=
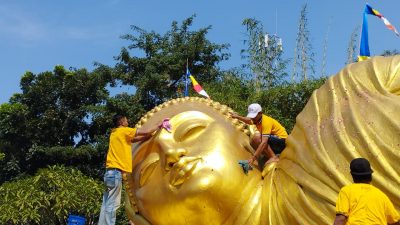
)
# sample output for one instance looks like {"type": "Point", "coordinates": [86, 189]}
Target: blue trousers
{"type": "Point", "coordinates": [111, 197]}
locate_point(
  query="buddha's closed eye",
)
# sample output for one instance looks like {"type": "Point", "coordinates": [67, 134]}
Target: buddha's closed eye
{"type": "Point", "coordinates": [190, 132]}
{"type": "Point", "coordinates": [190, 125]}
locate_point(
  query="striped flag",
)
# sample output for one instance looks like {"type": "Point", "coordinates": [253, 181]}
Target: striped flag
{"type": "Point", "coordinates": [371, 11]}
{"type": "Point", "coordinates": [196, 86]}
{"type": "Point", "coordinates": [364, 46]}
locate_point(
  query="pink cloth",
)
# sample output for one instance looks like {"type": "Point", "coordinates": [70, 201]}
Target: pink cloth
{"type": "Point", "coordinates": [166, 125]}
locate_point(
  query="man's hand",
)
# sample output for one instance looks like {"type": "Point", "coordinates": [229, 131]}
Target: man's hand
{"type": "Point", "coordinates": [244, 119]}
{"type": "Point", "coordinates": [340, 220]}
{"type": "Point", "coordinates": [233, 114]}
{"type": "Point", "coordinates": [251, 160]}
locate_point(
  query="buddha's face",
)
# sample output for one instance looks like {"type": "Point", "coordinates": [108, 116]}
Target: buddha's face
{"type": "Point", "coordinates": [192, 175]}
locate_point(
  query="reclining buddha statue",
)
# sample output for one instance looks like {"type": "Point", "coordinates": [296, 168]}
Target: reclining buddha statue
{"type": "Point", "coordinates": [191, 174]}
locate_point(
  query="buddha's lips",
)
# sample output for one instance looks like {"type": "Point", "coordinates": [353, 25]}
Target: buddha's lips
{"type": "Point", "coordinates": [182, 170]}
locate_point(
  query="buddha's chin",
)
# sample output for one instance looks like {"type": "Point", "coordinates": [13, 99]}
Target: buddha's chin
{"type": "Point", "coordinates": [199, 181]}
{"type": "Point", "coordinates": [186, 206]}
{"type": "Point", "coordinates": [203, 192]}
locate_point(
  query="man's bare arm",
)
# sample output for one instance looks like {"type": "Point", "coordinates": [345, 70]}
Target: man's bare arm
{"type": "Point", "coordinates": [148, 132]}
{"type": "Point", "coordinates": [260, 148]}
{"type": "Point", "coordinates": [246, 120]}
{"type": "Point", "coordinates": [141, 138]}
{"type": "Point", "coordinates": [340, 220]}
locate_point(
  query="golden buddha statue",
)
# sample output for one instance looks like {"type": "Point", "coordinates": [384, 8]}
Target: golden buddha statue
{"type": "Point", "coordinates": [191, 175]}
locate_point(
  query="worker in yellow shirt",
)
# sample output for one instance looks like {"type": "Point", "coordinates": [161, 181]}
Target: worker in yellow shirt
{"type": "Point", "coordinates": [119, 160]}
{"type": "Point", "coordinates": [271, 139]}
{"type": "Point", "coordinates": [362, 203]}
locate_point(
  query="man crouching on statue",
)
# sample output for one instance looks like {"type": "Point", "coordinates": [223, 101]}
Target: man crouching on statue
{"type": "Point", "coordinates": [270, 141]}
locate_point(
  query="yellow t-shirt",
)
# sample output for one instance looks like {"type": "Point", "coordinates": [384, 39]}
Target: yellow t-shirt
{"type": "Point", "coordinates": [119, 154]}
{"type": "Point", "coordinates": [269, 125]}
{"type": "Point", "coordinates": [365, 204]}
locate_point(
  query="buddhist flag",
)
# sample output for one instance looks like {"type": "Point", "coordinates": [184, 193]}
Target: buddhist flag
{"type": "Point", "coordinates": [364, 46]}
{"type": "Point", "coordinates": [371, 11]}
{"type": "Point", "coordinates": [196, 85]}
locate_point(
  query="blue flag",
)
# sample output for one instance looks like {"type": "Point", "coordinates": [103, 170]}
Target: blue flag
{"type": "Point", "coordinates": [186, 82]}
{"type": "Point", "coordinates": [364, 46]}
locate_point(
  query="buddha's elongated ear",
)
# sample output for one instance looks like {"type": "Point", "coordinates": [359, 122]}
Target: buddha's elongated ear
{"type": "Point", "coordinates": [133, 213]}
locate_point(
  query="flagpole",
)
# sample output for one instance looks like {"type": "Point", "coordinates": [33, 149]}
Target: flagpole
{"type": "Point", "coordinates": [186, 78]}
{"type": "Point", "coordinates": [196, 85]}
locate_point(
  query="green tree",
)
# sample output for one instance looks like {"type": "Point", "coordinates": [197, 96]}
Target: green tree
{"type": "Point", "coordinates": [49, 197]}
{"type": "Point", "coordinates": [126, 104]}
{"type": "Point", "coordinates": [59, 108]}
{"type": "Point", "coordinates": [89, 159]}
{"type": "Point", "coordinates": [14, 136]}
{"type": "Point", "coordinates": [155, 63]}
{"type": "Point", "coordinates": [264, 54]}
{"type": "Point", "coordinates": [58, 105]}
{"type": "Point", "coordinates": [390, 52]}
{"type": "Point", "coordinates": [325, 50]}
{"type": "Point", "coordinates": [303, 54]}
{"type": "Point", "coordinates": [232, 88]}
{"type": "Point", "coordinates": [352, 47]}
{"type": "Point", "coordinates": [286, 101]}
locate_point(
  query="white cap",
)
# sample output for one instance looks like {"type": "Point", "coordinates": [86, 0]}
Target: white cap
{"type": "Point", "coordinates": [253, 110]}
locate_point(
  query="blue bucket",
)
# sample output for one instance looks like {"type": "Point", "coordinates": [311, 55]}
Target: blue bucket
{"type": "Point", "coordinates": [75, 220]}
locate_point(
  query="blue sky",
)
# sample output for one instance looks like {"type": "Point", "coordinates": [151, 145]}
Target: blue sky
{"type": "Point", "coordinates": [37, 35]}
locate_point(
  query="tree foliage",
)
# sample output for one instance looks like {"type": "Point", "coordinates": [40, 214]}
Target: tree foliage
{"type": "Point", "coordinates": [303, 53]}
{"type": "Point", "coordinates": [58, 105]}
{"type": "Point", "coordinates": [325, 50]}
{"type": "Point", "coordinates": [89, 159]}
{"type": "Point", "coordinates": [232, 88]}
{"type": "Point", "coordinates": [49, 197]}
{"type": "Point", "coordinates": [390, 52]}
{"type": "Point", "coordinates": [155, 63]}
{"type": "Point", "coordinates": [58, 108]}
{"type": "Point", "coordinates": [285, 102]}
{"type": "Point", "coordinates": [264, 54]}
{"type": "Point", "coordinates": [13, 120]}
{"type": "Point", "coordinates": [352, 47]}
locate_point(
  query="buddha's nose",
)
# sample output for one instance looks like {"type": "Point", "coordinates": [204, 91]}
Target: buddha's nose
{"type": "Point", "coordinates": [172, 156]}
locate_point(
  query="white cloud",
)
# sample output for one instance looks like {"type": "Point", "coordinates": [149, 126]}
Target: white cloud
{"type": "Point", "coordinates": [26, 28]}
{"type": "Point", "coordinates": [21, 25]}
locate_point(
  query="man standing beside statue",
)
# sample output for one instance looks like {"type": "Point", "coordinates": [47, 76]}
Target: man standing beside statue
{"type": "Point", "coordinates": [119, 161]}
{"type": "Point", "coordinates": [271, 137]}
